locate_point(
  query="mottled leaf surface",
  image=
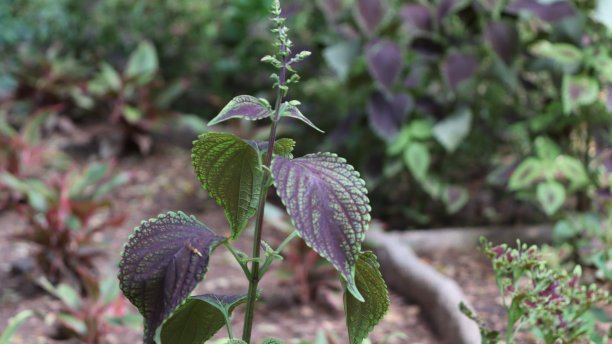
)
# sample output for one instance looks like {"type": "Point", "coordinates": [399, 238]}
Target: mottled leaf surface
{"type": "Point", "coordinates": [577, 91]}
{"type": "Point", "coordinates": [292, 111]}
{"type": "Point", "coordinates": [245, 107]}
{"type": "Point", "coordinates": [386, 114]}
{"type": "Point", "coordinates": [455, 197]}
{"type": "Point", "coordinates": [198, 319]}
{"type": "Point", "coordinates": [228, 168]}
{"type": "Point", "coordinates": [329, 206]}
{"type": "Point", "coordinates": [161, 264]}
{"type": "Point", "coordinates": [369, 14]}
{"type": "Point", "coordinates": [525, 174]}
{"type": "Point", "coordinates": [362, 316]}
{"type": "Point", "coordinates": [385, 62]}
{"type": "Point", "coordinates": [551, 196]}
{"type": "Point", "coordinates": [550, 11]}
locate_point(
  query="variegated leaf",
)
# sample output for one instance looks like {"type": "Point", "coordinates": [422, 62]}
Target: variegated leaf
{"type": "Point", "coordinates": [245, 107]}
{"type": "Point", "coordinates": [161, 264]}
{"type": "Point", "coordinates": [329, 206]}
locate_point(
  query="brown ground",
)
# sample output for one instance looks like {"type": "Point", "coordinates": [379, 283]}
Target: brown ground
{"type": "Point", "coordinates": [165, 181]}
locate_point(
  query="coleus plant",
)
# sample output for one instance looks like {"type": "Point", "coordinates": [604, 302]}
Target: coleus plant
{"type": "Point", "coordinates": [167, 257]}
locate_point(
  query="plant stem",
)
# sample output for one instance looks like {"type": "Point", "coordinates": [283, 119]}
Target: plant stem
{"type": "Point", "coordinates": [254, 275]}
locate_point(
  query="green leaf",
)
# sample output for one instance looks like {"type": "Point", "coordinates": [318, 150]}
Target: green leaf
{"type": "Point", "coordinates": [566, 55]}
{"type": "Point", "coordinates": [64, 292]}
{"type": "Point", "coordinates": [525, 174]}
{"type": "Point", "coordinates": [452, 130]}
{"type": "Point", "coordinates": [572, 169]}
{"type": "Point", "coordinates": [400, 142]}
{"type": "Point", "coordinates": [420, 129]}
{"type": "Point", "coordinates": [229, 169]}
{"type": "Point", "coordinates": [272, 341]}
{"type": "Point", "coordinates": [546, 148]}
{"type": "Point", "coordinates": [551, 196]}
{"type": "Point", "coordinates": [362, 317]}
{"type": "Point", "coordinates": [578, 91]}
{"type": "Point", "coordinates": [142, 64]}
{"type": "Point", "coordinates": [284, 147]}
{"type": "Point", "coordinates": [13, 324]}
{"type": "Point", "coordinates": [110, 76]}
{"type": "Point", "coordinates": [417, 159]}
{"type": "Point", "coordinates": [199, 318]}
{"type": "Point", "coordinates": [132, 114]}
{"type": "Point", "coordinates": [340, 57]}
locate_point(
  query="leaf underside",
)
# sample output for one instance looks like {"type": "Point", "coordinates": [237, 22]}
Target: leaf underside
{"type": "Point", "coordinates": [293, 112]}
{"type": "Point", "coordinates": [228, 168]}
{"type": "Point", "coordinates": [361, 317]}
{"type": "Point", "coordinates": [198, 319]}
{"type": "Point", "coordinates": [161, 264]}
{"type": "Point", "coordinates": [329, 206]}
{"type": "Point", "coordinates": [245, 107]}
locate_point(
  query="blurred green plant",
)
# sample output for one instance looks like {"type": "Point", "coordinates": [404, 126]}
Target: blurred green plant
{"type": "Point", "coordinates": [90, 316]}
{"type": "Point", "coordinates": [65, 212]}
{"type": "Point", "coordinates": [13, 325]}
{"type": "Point", "coordinates": [551, 303]}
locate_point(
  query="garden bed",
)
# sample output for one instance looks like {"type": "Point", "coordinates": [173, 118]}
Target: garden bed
{"type": "Point", "coordinates": [165, 181]}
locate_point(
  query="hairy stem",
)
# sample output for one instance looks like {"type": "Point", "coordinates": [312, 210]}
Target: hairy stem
{"type": "Point", "coordinates": [254, 275]}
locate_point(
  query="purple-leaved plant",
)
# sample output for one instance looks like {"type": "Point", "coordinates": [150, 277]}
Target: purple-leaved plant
{"type": "Point", "coordinates": [167, 257]}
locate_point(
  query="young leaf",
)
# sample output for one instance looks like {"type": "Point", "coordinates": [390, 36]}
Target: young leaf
{"type": "Point", "coordinates": [417, 159]}
{"type": "Point", "coordinates": [452, 130]}
{"type": "Point", "coordinates": [385, 62]}
{"type": "Point", "coordinates": [551, 196]}
{"type": "Point", "coordinates": [567, 56]}
{"type": "Point", "coordinates": [387, 115]}
{"type": "Point", "coordinates": [329, 206]}
{"type": "Point", "coordinates": [284, 147]}
{"type": "Point", "coordinates": [161, 264]}
{"type": "Point", "coordinates": [546, 149]}
{"type": "Point", "coordinates": [369, 14]}
{"type": "Point", "coordinates": [245, 107]}
{"type": "Point", "coordinates": [228, 168]}
{"type": "Point", "coordinates": [362, 316]}
{"type": "Point", "coordinates": [290, 110]}
{"type": "Point", "coordinates": [525, 174]}
{"type": "Point", "coordinates": [198, 319]}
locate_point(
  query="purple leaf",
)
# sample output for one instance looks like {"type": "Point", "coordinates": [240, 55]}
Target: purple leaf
{"type": "Point", "coordinates": [330, 8]}
{"type": "Point", "coordinates": [503, 38]}
{"type": "Point", "coordinates": [161, 264]}
{"type": "Point", "coordinates": [245, 107]}
{"type": "Point", "coordinates": [329, 206]}
{"type": "Point", "coordinates": [369, 14]}
{"type": "Point", "coordinates": [387, 115]}
{"type": "Point", "coordinates": [459, 67]}
{"type": "Point", "coordinates": [385, 62]}
{"type": "Point", "coordinates": [549, 12]}
{"type": "Point", "coordinates": [289, 110]}
{"type": "Point", "coordinates": [417, 18]}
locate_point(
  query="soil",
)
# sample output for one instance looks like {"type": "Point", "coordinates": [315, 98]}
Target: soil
{"type": "Point", "coordinates": [165, 181]}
